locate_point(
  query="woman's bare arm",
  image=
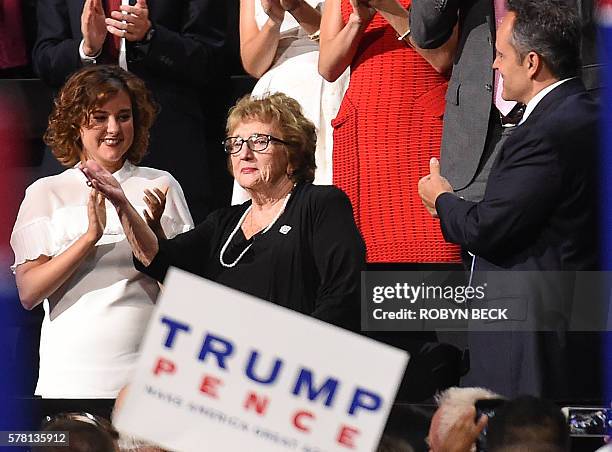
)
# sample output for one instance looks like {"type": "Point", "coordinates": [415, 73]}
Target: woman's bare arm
{"type": "Point", "coordinates": [339, 40]}
{"type": "Point", "coordinates": [38, 279]}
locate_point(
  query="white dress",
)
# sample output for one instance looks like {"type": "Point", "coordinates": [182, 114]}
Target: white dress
{"type": "Point", "coordinates": [95, 321]}
{"type": "Point", "coordinates": [295, 73]}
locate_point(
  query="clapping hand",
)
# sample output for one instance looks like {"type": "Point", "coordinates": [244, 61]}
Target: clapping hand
{"type": "Point", "coordinates": [96, 214]}
{"type": "Point", "coordinates": [274, 9]}
{"type": "Point", "coordinates": [93, 27]}
{"type": "Point", "coordinates": [131, 22]}
{"type": "Point", "coordinates": [104, 182]}
{"type": "Point", "coordinates": [156, 203]}
{"type": "Point", "coordinates": [290, 5]}
{"type": "Point", "coordinates": [362, 12]}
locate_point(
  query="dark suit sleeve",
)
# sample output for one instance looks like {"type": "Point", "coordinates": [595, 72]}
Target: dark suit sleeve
{"type": "Point", "coordinates": [191, 53]}
{"type": "Point", "coordinates": [432, 21]}
{"type": "Point", "coordinates": [339, 255]}
{"type": "Point", "coordinates": [522, 190]}
{"type": "Point", "coordinates": [56, 51]}
{"type": "Point", "coordinates": [188, 251]}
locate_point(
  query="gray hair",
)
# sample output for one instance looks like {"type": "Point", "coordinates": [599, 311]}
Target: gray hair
{"type": "Point", "coordinates": [550, 28]}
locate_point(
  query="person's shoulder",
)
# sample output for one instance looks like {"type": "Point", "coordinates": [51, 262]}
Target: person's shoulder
{"type": "Point", "coordinates": [61, 181]}
{"type": "Point", "coordinates": [320, 191]}
{"type": "Point", "coordinates": [225, 215]}
{"type": "Point", "coordinates": [571, 104]}
{"type": "Point", "coordinates": [148, 173]}
{"type": "Point", "coordinates": [322, 196]}
{"type": "Point", "coordinates": [316, 192]}
{"type": "Point", "coordinates": [145, 177]}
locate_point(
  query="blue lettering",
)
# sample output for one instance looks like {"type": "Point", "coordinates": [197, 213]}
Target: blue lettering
{"type": "Point", "coordinates": [251, 364]}
{"type": "Point", "coordinates": [175, 326]}
{"type": "Point", "coordinates": [366, 400]}
{"type": "Point", "coordinates": [219, 347]}
{"type": "Point", "coordinates": [329, 387]}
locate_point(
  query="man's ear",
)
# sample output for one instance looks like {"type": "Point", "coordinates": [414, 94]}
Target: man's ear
{"type": "Point", "coordinates": [533, 63]}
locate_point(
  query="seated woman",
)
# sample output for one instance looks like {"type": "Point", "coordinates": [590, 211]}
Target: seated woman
{"type": "Point", "coordinates": [70, 248]}
{"type": "Point", "coordinates": [295, 244]}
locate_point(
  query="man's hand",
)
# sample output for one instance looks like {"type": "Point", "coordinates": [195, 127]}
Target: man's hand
{"type": "Point", "coordinates": [131, 22]}
{"type": "Point", "coordinates": [432, 186]}
{"type": "Point", "coordinates": [93, 27]}
{"type": "Point", "coordinates": [462, 435]}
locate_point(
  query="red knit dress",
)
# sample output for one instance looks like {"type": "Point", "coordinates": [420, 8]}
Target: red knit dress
{"type": "Point", "coordinates": [388, 127]}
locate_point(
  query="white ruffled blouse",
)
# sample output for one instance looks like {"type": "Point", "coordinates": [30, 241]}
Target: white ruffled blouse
{"type": "Point", "coordinates": [95, 321]}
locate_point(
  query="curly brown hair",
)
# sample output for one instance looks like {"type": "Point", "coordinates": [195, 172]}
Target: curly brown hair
{"type": "Point", "coordinates": [86, 90]}
{"type": "Point", "coordinates": [285, 113]}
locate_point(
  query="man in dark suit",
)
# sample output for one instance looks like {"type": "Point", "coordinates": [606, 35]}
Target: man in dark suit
{"type": "Point", "coordinates": [174, 46]}
{"type": "Point", "coordinates": [473, 130]}
{"type": "Point", "coordinates": [539, 210]}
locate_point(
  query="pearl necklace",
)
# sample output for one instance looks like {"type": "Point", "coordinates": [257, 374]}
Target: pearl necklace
{"type": "Point", "coordinates": [242, 218]}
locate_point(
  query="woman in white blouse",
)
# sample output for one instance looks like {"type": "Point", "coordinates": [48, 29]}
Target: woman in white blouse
{"type": "Point", "coordinates": [70, 249]}
{"type": "Point", "coordinates": [279, 45]}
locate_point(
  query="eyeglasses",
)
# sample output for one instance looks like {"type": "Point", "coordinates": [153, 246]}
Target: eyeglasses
{"type": "Point", "coordinates": [97, 421]}
{"type": "Point", "coordinates": [258, 142]}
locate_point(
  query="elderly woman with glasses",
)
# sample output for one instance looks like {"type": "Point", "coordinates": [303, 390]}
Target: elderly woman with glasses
{"type": "Point", "coordinates": [70, 249]}
{"type": "Point", "coordinates": [294, 244]}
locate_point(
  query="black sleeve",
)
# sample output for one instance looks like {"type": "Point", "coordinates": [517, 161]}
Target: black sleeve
{"type": "Point", "coordinates": [519, 197]}
{"type": "Point", "coordinates": [432, 21]}
{"type": "Point", "coordinates": [339, 254]}
{"type": "Point", "coordinates": [188, 251]}
{"type": "Point", "coordinates": [56, 51]}
{"type": "Point", "coordinates": [190, 54]}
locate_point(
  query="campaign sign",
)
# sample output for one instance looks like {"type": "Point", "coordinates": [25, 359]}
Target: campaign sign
{"type": "Point", "coordinates": [224, 371]}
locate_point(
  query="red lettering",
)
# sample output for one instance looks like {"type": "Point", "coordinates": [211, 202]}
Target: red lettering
{"type": "Point", "coordinates": [252, 400]}
{"type": "Point", "coordinates": [164, 365]}
{"type": "Point", "coordinates": [297, 420]}
{"type": "Point", "coordinates": [347, 435]}
{"type": "Point", "coordinates": [209, 386]}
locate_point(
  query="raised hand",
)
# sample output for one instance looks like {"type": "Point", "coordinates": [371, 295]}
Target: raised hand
{"type": "Point", "coordinates": [274, 10]}
{"type": "Point", "coordinates": [131, 22]}
{"type": "Point", "coordinates": [104, 182]}
{"type": "Point", "coordinates": [462, 435]}
{"type": "Point", "coordinates": [96, 214]}
{"type": "Point", "coordinates": [156, 203]}
{"type": "Point", "coordinates": [362, 12]}
{"type": "Point", "coordinates": [290, 5]}
{"type": "Point", "coordinates": [93, 27]}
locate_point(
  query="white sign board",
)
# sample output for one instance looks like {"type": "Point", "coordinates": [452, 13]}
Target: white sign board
{"type": "Point", "coordinates": [224, 371]}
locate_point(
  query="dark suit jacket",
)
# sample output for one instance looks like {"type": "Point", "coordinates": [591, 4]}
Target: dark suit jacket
{"type": "Point", "coordinates": [176, 65]}
{"type": "Point", "coordinates": [469, 95]}
{"type": "Point", "coordinates": [539, 213]}
{"type": "Point", "coordinates": [540, 204]}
